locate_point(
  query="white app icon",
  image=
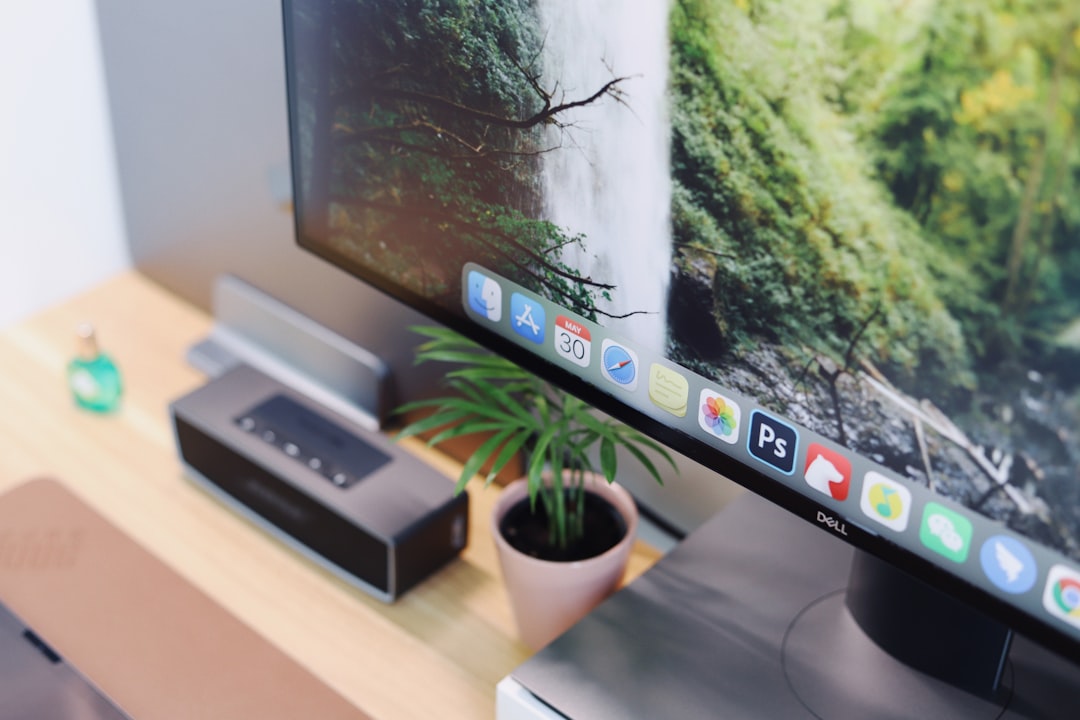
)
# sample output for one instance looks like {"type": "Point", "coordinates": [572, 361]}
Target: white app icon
{"type": "Point", "coordinates": [885, 501]}
{"type": "Point", "coordinates": [1010, 565]}
{"type": "Point", "coordinates": [573, 341]}
{"type": "Point", "coordinates": [719, 416]}
{"type": "Point", "coordinates": [491, 294]}
{"type": "Point", "coordinates": [1061, 596]}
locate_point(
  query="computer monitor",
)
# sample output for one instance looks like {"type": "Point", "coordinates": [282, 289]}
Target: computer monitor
{"type": "Point", "coordinates": [827, 249]}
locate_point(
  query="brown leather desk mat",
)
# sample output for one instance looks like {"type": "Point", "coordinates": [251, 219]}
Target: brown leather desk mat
{"type": "Point", "coordinates": [153, 642]}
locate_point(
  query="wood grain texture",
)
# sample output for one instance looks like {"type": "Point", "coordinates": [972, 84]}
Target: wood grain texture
{"type": "Point", "coordinates": [437, 652]}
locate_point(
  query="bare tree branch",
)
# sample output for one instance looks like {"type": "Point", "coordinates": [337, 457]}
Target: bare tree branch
{"type": "Point", "coordinates": [546, 115]}
{"type": "Point", "coordinates": [392, 134]}
{"type": "Point", "coordinates": [707, 251]}
{"type": "Point", "coordinates": [452, 219]}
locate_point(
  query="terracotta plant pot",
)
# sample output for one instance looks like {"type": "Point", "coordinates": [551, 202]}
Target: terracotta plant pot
{"type": "Point", "coordinates": [548, 597]}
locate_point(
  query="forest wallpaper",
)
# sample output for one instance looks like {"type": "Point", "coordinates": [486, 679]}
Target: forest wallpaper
{"type": "Point", "coordinates": [863, 213]}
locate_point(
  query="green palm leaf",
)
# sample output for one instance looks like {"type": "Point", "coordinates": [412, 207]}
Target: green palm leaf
{"type": "Point", "coordinates": [559, 432]}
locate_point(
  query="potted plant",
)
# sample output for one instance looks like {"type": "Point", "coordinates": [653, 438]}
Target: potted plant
{"type": "Point", "coordinates": [563, 531]}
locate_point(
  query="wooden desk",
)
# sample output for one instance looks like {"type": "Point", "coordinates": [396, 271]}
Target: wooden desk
{"type": "Point", "coordinates": [437, 653]}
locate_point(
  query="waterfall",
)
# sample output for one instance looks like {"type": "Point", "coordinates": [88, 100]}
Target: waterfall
{"type": "Point", "coordinates": [610, 178]}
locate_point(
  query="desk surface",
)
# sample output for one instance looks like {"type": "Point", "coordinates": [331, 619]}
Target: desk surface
{"type": "Point", "coordinates": [437, 652]}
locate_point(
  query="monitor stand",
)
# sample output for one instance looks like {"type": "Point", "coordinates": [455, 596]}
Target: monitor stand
{"type": "Point", "coordinates": [747, 617]}
{"type": "Point", "coordinates": [254, 328]}
{"type": "Point", "coordinates": [895, 627]}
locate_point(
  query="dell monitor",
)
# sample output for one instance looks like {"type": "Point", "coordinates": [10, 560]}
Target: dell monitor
{"type": "Point", "coordinates": [825, 248]}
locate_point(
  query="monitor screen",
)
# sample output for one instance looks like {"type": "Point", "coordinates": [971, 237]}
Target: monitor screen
{"type": "Point", "coordinates": [827, 248]}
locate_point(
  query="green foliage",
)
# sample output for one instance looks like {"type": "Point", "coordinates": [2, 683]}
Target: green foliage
{"type": "Point", "coordinates": [834, 158]}
{"type": "Point", "coordinates": [418, 119]}
{"type": "Point", "coordinates": [520, 412]}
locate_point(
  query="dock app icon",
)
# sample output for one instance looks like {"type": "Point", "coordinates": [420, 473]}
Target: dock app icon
{"type": "Point", "coordinates": [885, 501]}
{"type": "Point", "coordinates": [573, 341]}
{"type": "Point", "coordinates": [527, 318]}
{"type": "Point", "coordinates": [827, 471]}
{"type": "Point", "coordinates": [619, 364]}
{"type": "Point", "coordinates": [668, 390]}
{"type": "Point", "coordinates": [946, 532]}
{"type": "Point", "coordinates": [485, 296]}
{"type": "Point", "coordinates": [773, 442]}
{"type": "Point", "coordinates": [719, 416]}
{"type": "Point", "coordinates": [1061, 596]}
{"type": "Point", "coordinates": [1009, 564]}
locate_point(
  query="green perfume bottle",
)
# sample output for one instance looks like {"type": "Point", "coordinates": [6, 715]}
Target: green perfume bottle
{"type": "Point", "coordinates": [92, 376]}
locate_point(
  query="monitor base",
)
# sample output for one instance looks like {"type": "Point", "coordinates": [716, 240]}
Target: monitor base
{"type": "Point", "coordinates": [835, 670]}
{"type": "Point", "coordinates": [701, 634]}
{"type": "Point", "coordinates": [925, 629]}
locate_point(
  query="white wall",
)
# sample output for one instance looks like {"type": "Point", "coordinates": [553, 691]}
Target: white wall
{"type": "Point", "coordinates": [61, 228]}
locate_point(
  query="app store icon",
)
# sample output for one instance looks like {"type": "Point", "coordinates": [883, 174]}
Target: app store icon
{"type": "Point", "coordinates": [527, 318]}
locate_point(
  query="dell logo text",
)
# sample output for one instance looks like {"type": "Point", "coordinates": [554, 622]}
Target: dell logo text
{"type": "Point", "coordinates": [832, 523]}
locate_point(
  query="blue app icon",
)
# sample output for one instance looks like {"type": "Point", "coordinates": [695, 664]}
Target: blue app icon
{"type": "Point", "coordinates": [527, 318]}
{"type": "Point", "coordinates": [773, 442]}
{"type": "Point", "coordinates": [1008, 563]}
{"type": "Point", "coordinates": [619, 364]}
{"type": "Point", "coordinates": [485, 296]}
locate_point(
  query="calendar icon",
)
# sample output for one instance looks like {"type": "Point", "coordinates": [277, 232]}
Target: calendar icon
{"type": "Point", "coordinates": [573, 341]}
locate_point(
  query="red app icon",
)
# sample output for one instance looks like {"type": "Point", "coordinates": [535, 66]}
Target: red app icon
{"type": "Point", "coordinates": [827, 471]}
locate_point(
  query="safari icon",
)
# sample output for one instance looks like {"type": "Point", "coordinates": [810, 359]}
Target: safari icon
{"type": "Point", "coordinates": [619, 364]}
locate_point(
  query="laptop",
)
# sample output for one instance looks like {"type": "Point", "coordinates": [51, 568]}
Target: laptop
{"type": "Point", "coordinates": [35, 682]}
{"type": "Point", "coordinates": [82, 594]}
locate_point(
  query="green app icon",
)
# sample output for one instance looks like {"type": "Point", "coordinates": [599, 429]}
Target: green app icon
{"type": "Point", "coordinates": [946, 532]}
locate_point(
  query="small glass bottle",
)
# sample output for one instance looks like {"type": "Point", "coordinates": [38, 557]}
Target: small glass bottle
{"type": "Point", "coordinates": [92, 376]}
